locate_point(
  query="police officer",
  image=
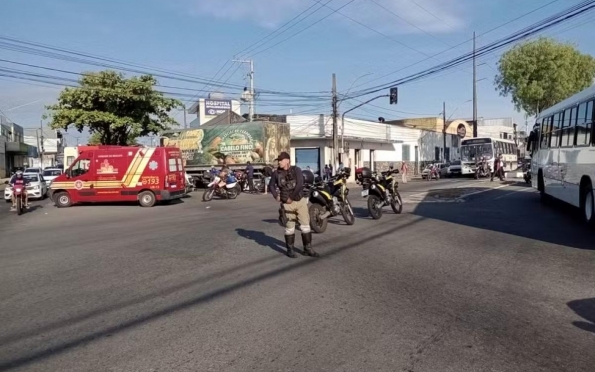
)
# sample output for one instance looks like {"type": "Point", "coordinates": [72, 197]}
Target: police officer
{"type": "Point", "coordinates": [290, 181]}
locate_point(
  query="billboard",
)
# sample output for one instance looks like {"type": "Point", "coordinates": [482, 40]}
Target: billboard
{"type": "Point", "coordinates": [215, 107]}
{"type": "Point", "coordinates": [256, 142]}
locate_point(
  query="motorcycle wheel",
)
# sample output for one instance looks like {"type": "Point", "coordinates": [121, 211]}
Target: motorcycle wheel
{"type": "Point", "coordinates": [316, 223]}
{"type": "Point", "coordinates": [373, 207]}
{"type": "Point", "coordinates": [19, 205]}
{"type": "Point", "coordinates": [476, 175]}
{"type": "Point", "coordinates": [347, 213]}
{"type": "Point", "coordinates": [397, 204]}
{"type": "Point", "coordinates": [232, 193]}
{"type": "Point", "coordinates": [208, 195]}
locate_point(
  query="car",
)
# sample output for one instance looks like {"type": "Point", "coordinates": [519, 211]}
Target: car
{"type": "Point", "coordinates": [49, 174]}
{"type": "Point", "coordinates": [37, 189]}
{"type": "Point", "coordinates": [454, 169]}
{"type": "Point", "coordinates": [33, 170]}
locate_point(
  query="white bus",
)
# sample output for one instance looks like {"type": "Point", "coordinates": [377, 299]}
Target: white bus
{"type": "Point", "coordinates": [473, 149]}
{"type": "Point", "coordinates": [563, 152]}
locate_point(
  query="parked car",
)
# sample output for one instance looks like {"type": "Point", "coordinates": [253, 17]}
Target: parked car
{"type": "Point", "coordinates": [33, 170]}
{"type": "Point", "coordinates": [37, 188]}
{"type": "Point", "coordinates": [49, 174]}
{"type": "Point", "coordinates": [454, 169]}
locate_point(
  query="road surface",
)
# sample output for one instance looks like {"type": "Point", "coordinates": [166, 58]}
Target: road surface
{"type": "Point", "coordinates": [492, 280]}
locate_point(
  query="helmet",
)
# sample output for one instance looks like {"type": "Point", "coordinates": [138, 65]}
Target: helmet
{"type": "Point", "coordinates": [19, 173]}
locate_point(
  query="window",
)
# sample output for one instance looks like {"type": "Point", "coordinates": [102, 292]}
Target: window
{"type": "Point", "coordinates": [436, 153]}
{"type": "Point", "coordinates": [584, 124]}
{"type": "Point", "coordinates": [180, 165]}
{"type": "Point", "coordinates": [172, 165]}
{"type": "Point", "coordinates": [555, 131]}
{"type": "Point", "coordinates": [406, 153]}
{"type": "Point", "coordinates": [80, 167]}
{"type": "Point", "coordinates": [545, 133]}
{"type": "Point", "coordinates": [310, 157]}
{"type": "Point", "coordinates": [567, 132]}
{"type": "Point", "coordinates": [447, 154]}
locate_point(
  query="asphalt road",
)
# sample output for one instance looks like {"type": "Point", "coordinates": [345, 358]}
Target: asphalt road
{"type": "Point", "coordinates": [493, 280]}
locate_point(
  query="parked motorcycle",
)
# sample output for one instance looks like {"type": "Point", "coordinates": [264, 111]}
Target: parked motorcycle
{"type": "Point", "coordinates": [382, 190]}
{"type": "Point", "coordinates": [230, 191]}
{"type": "Point", "coordinates": [329, 199]}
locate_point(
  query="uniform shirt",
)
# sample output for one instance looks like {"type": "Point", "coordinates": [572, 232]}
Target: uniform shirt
{"type": "Point", "coordinates": [250, 171]}
{"type": "Point", "coordinates": [299, 182]}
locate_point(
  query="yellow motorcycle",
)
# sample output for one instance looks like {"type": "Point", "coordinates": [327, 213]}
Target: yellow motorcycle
{"type": "Point", "coordinates": [381, 190]}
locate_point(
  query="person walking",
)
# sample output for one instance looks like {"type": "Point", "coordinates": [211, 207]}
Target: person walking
{"type": "Point", "coordinates": [294, 207]}
{"type": "Point", "coordinates": [404, 170]}
{"type": "Point", "coordinates": [498, 169]}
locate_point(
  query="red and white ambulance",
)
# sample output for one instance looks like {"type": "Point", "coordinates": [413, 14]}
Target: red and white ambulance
{"type": "Point", "coordinates": [121, 173]}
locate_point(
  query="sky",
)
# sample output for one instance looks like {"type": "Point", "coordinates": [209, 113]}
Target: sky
{"type": "Point", "coordinates": [361, 41]}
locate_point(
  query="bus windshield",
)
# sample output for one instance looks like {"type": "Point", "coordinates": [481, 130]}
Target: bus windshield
{"type": "Point", "coordinates": [476, 152]}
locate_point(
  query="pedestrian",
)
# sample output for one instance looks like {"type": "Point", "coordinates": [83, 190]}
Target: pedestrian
{"type": "Point", "coordinates": [268, 172]}
{"type": "Point", "coordinates": [404, 170]}
{"type": "Point", "coordinates": [250, 175]}
{"type": "Point", "coordinates": [497, 168]}
{"type": "Point", "coordinates": [294, 207]}
{"type": "Point", "coordinates": [327, 172]}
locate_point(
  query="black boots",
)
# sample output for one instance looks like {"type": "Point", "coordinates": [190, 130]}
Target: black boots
{"type": "Point", "coordinates": [289, 244]}
{"type": "Point", "coordinates": [307, 240]}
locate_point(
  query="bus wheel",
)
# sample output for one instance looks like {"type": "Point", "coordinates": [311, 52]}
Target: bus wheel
{"type": "Point", "coordinates": [146, 199]}
{"type": "Point", "coordinates": [588, 204]}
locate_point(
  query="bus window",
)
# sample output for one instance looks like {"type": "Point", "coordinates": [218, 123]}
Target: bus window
{"type": "Point", "coordinates": [545, 133]}
{"type": "Point", "coordinates": [584, 124]}
{"type": "Point", "coordinates": [555, 132]}
{"type": "Point", "coordinates": [565, 132]}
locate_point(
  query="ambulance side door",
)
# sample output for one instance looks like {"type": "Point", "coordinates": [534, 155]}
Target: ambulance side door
{"type": "Point", "coordinates": [82, 178]}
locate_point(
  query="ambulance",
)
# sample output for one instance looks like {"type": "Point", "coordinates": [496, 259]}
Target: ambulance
{"type": "Point", "coordinates": [121, 173]}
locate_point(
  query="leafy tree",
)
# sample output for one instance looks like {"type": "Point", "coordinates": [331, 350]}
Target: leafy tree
{"type": "Point", "coordinates": [114, 109]}
{"type": "Point", "coordinates": [95, 139]}
{"type": "Point", "coordinates": [541, 73]}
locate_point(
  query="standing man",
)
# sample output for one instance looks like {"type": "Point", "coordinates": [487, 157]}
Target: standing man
{"type": "Point", "coordinates": [290, 180]}
{"type": "Point", "coordinates": [250, 175]}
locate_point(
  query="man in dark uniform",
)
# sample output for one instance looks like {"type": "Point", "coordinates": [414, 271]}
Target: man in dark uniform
{"type": "Point", "coordinates": [290, 181]}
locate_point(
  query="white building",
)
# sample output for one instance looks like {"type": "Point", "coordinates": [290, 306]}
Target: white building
{"type": "Point", "coordinates": [206, 109]}
{"type": "Point", "coordinates": [372, 144]}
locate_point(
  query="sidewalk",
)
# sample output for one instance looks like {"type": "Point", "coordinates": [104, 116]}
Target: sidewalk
{"type": "Point", "coordinates": [2, 185]}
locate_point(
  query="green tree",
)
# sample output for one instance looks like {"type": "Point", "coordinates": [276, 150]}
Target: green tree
{"type": "Point", "coordinates": [95, 139]}
{"type": "Point", "coordinates": [114, 109]}
{"type": "Point", "coordinates": [538, 74]}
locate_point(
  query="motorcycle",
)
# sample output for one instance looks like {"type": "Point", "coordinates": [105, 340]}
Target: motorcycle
{"type": "Point", "coordinates": [230, 191]}
{"type": "Point", "coordinates": [433, 173]}
{"type": "Point", "coordinates": [19, 193]}
{"type": "Point", "coordinates": [383, 190]}
{"type": "Point", "coordinates": [329, 199]}
{"type": "Point", "coordinates": [481, 170]}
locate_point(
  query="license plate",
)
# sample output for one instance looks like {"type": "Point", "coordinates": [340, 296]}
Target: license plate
{"type": "Point", "coordinates": [365, 193]}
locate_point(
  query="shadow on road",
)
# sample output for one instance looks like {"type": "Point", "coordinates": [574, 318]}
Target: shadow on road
{"type": "Point", "coordinates": [516, 212]}
{"type": "Point", "coordinates": [586, 309]}
{"type": "Point", "coordinates": [143, 316]}
{"type": "Point", "coordinates": [360, 212]}
{"type": "Point", "coordinates": [262, 239]}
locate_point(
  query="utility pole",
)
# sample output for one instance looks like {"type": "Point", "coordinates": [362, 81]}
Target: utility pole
{"type": "Point", "coordinates": [42, 150]}
{"type": "Point", "coordinates": [185, 125]}
{"type": "Point", "coordinates": [474, 90]}
{"type": "Point", "coordinates": [335, 129]}
{"type": "Point", "coordinates": [444, 130]}
{"type": "Point", "coordinates": [251, 75]}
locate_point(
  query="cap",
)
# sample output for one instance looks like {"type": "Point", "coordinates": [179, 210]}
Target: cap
{"type": "Point", "coordinates": [282, 156]}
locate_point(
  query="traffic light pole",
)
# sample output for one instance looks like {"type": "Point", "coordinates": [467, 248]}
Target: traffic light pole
{"type": "Point", "coordinates": [351, 109]}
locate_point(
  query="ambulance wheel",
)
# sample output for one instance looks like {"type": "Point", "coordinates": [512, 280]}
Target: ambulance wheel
{"type": "Point", "coordinates": [146, 199]}
{"type": "Point", "coordinates": [62, 200]}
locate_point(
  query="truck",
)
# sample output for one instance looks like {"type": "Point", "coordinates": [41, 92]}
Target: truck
{"type": "Point", "coordinates": [229, 145]}
{"type": "Point", "coordinates": [121, 173]}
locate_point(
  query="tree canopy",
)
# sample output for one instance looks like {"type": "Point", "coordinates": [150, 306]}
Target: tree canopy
{"type": "Point", "coordinates": [538, 74]}
{"type": "Point", "coordinates": [114, 109]}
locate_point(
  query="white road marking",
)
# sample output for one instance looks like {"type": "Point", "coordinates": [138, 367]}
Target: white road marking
{"type": "Point", "coordinates": [514, 192]}
{"type": "Point", "coordinates": [486, 190]}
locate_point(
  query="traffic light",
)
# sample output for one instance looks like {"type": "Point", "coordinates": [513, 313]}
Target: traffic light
{"type": "Point", "coordinates": [394, 95]}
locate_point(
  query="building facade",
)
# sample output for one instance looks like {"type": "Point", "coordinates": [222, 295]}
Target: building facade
{"type": "Point", "coordinates": [207, 109]}
{"type": "Point", "coordinates": [15, 152]}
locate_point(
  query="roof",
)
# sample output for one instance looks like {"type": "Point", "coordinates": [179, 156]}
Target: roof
{"type": "Point", "coordinates": [568, 102]}
{"type": "Point", "coordinates": [228, 117]}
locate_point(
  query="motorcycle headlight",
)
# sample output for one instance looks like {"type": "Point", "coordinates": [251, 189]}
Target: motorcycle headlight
{"type": "Point", "coordinates": [315, 194]}
{"type": "Point", "coordinates": [373, 187]}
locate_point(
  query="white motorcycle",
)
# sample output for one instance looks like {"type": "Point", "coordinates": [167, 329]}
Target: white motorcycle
{"type": "Point", "coordinates": [230, 191]}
